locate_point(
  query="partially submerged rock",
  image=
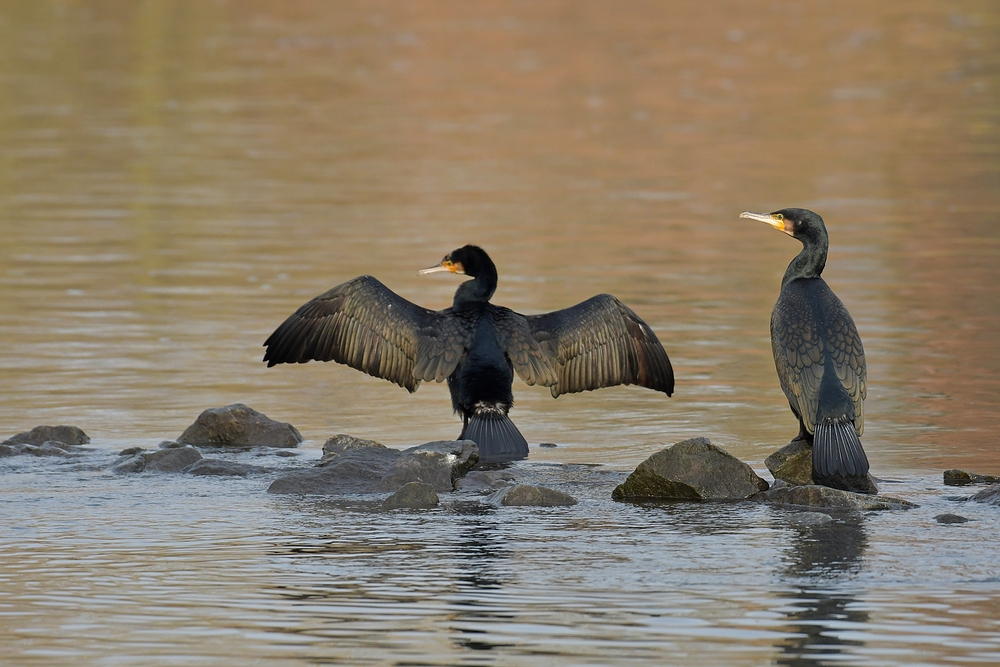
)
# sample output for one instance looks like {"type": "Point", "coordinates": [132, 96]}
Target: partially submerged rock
{"type": "Point", "coordinates": [793, 464]}
{"type": "Point", "coordinates": [525, 495]}
{"type": "Point", "coordinates": [174, 459]}
{"type": "Point", "coordinates": [439, 464]}
{"type": "Point", "coordinates": [239, 426]}
{"type": "Point", "coordinates": [693, 469]}
{"type": "Point", "coordinates": [950, 518]}
{"type": "Point", "coordinates": [412, 495]}
{"type": "Point", "coordinates": [814, 495]}
{"type": "Point", "coordinates": [341, 443]}
{"type": "Point", "coordinates": [990, 496]}
{"type": "Point", "coordinates": [961, 478]}
{"type": "Point", "coordinates": [69, 435]}
{"type": "Point", "coordinates": [484, 481]}
{"type": "Point", "coordinates": [221, 468]}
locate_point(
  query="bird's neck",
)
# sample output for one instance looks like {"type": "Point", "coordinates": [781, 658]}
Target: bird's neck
{"type": "Point", "coordinates": [478, 290]}
{"type": "Point", "coordinates": [810, 262]}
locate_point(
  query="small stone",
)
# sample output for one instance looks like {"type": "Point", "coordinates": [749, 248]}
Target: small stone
{"type": "Point", "coordinates": [961, 478]}
{"type": "Point", "coordinates": [170, 444]}
{"type": "Point", "coordinates": [163, 460]}
{"type": "Point", "coordinates": [354, 471]}
{"type": "Point", "coordinates": [547, 445]}
{"type": "Point", "coordinates": [286, 453]}
{"type": "Point", "coordinates": [9, 450]}
{"type": "Point", "coordinates": [484, 481]}
{"type": "Point", "coordinates": [239, 426]}
{"type": "Point", "coordinates": [825, 497]}
{"type": "Point", "coordinates": [341, 443]}
{"type": "Point", "coordinates": [990, 496]}
{"type": "Point", "coordinates": [524, 495]}
{"type": "Point", "coordinates": [950, 518]}
{"type": "Point", "coordinates": [809, 519]}
{"type": "Point", "coordinates": [220, 468]}
{"type": "Point", "coordinates": [130, 451]}
{"type": "Point", "coordinates": [70, 435]}
{"type": "Point", "coordinates": [693, 469]}
{"type": "Point", "coordinates": [412, 495]}
{"type": "Point", "coordinates": [439, 464]}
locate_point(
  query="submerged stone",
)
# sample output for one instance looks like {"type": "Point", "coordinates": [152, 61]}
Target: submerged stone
{"type": "Point", "coordinates": [354, 471]}
{"type": "Point", "coordinates": [990, 496]}
{"type": "Point", "coordinates": [525, 495]}
{"type": "Point", "coordinates": [412, 495]}
{"type": "Point", "coordinates": [439, 464]}
{"type": "Point", "coordinates": [341, 443]}
{"type": "Point", "coordinates": [825, 497]}
{"type": "Point", "coordinates": [221, 468]}
{"type": "Point", "coordinates": [484, 481]}
{"type": "Point", "coordinates": [693, 469]}
{"type": "Point", "coordinates": [961, 478]}
{"type": "Point", "coordinates": [793, 464]}
{"type": "Point", "coordinates": [950, 518]}
{"type": "Point", "coordinates": [239, 426]}
{"type": "Point", "coordinates": [163, 460]}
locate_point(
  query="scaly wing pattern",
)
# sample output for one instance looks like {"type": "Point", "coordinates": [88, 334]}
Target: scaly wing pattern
{"type": "Point", "coordinates": [601, 343]}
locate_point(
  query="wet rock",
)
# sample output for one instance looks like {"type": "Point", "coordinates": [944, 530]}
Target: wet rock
{"type": "Point", "coordinates": [547, 445]}
{"type": "Point", "coordinates": [439, 464]}
{"type": "Point", "coordinates": [163, 460]}
{"type": "Point", "coordinates": [525, 495]}
{"type": "Point", "coordinates": [990, 496]}
{"type": "Point", "coordinates": [693, 469]}
{"type": "Point", "coordinates": [793, 464]}
{"type": "Point", "coordinates": [814, 495]}
{"type": "Point", "coordinates": [285, 453]}
{"type": "Point", "coordinates": [950, 518]}
{"type": "Point", "coordinates": [221, 468]}
{"type": "Point", "coordinates": [809, 519]}
{"type": "Point", "coordinates": [341, 443]}
{"type": "Point", "coordinates": [8, 450]}
{"type": "Point", "coordinates": [354, 471]}
{"type": "Point", "coordinates": [961, 478]}
{"type": "Point", "coordinates": [170, 444]}
{"type": "Point", "coordinates": [412, 495]}
{"type": "Point", "coordinates": [484, 481]}
{"type": "Point", "coordinates": [70, 435]}
{"type": "Point", "coordinates": [239, 426]}
{"type": "Point", "coordinates": [129, 451]}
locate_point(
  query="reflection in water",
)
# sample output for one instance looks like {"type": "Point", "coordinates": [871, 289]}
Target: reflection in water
{"type": "Point", "coordinates": [823, 554]}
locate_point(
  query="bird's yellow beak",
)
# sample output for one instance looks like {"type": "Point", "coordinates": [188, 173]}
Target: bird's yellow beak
{"type": "Point", "coordinates": [446, 265]}
{"type": "Point", "coordinates": [776, 220]}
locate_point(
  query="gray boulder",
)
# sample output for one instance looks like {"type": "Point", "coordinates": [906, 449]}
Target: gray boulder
{"type": "Point", "coordinates": [484, 481]}
{"type": "Point", "coordinates": [238, 426]}
{"type": "Point", "coordinates": [412, 495]}
{"type": "Point", "coordinates": [221, 468]}
{"type": "Point", "coordinates": [341, 443]}
{"type": "Point", "coordinates": [950, 518]}
{"type": "Point", "coordinates": [354, 471]}
{"type": "Point", "coordinates": [809, 519]}
{"type": "Point", "coordinates": [70, 435]}
{"type": "Point", "coordinates": [693, 469]}
{"type": "Point", "coordinates": [961, 478]}
{"type": "Point", "coordinates": [525, 495]}
{"type": "Point", "coordinates": [793, 464]}
{"type": "Point", "coordinates": [990, 496]}
{"type": "Point", "coordinates": [164, 460]}
{"type": "Point", "coordinates": [824, 497]}
{"type": "Point", "coordinates": [439, 464]}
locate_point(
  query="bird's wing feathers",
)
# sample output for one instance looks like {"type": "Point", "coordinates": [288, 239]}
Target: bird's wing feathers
{"type": "Point", "coordinates": [442, 344]}
{"type": "Point", "coordinates": [601, 343]}
{"type": "Point", "coordinates": [529, 359]}
{"type": "Point", "coordinates": [367, 326]}
{"type": "Point", "coordinates": [800, 347]}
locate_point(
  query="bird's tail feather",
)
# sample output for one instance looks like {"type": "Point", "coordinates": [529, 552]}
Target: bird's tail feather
{"type": "Point", "coordinates": [497, 437]}
{"type": "Point", "coordinates": [837, 449]}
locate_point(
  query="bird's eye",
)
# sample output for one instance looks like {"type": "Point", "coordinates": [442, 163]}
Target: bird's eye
{"type": "Point", "coordinates": [779, 217]}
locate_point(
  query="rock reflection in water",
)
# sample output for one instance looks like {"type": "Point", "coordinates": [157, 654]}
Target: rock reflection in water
{"type": "Point", "coordinates": [823, 554]}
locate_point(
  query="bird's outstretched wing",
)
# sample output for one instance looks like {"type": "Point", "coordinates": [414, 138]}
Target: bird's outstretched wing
{"type": "Point", "coordinates": [367, 326]}
{"type": "Point", "coordinates": [530, 361]}
{"type": "Point", "coordinates": [809, 322]}
{"type": "Point", "coordinates": [601, 343]}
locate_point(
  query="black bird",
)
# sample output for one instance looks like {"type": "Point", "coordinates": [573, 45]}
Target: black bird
{"type": "Point", "coordinates": [818, 353]}
{"type": "Point", "coordinates": [475, 345]}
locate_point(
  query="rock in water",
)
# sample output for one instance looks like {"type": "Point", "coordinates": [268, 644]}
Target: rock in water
{"type": "Point", "coordinates": [412, 495]}
{"type": "Point", "coordinates": [221, 468]}
{"type": "Point", "coordinates": [341, 443]}
{"type": "Point", "coordinates": [239, 426]}
{"type": "Point", "coordinates": [793, 464]}
{"type": "Point", "coordinates": [69, 435]}
{"type": "Point", "coordinates": [439, 464]}
{"type": "Point", "coordinates": [693, 469]}
{"type": "Point", "coordinates": [990, 496]}
{"type": "Point", "coordinates": [962, 477]}
{"type": "Point", "coordinates": [525, 495]}
{"type": "Point", "coordinates": [950, 518]}
{"type": "Point", "coordinates": [163, 460]}
{"type": "Point", "coordinates": [825, 497]}
{"type": "Point", "coordinates": [354, 471]}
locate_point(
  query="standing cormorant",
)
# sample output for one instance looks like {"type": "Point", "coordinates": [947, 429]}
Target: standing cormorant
{"type": "Point", "coordinates": [475, 345]}
{"type": "Point", "coordinates": [819, 356]}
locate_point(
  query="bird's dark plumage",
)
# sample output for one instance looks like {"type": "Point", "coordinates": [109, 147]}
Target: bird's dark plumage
{"type": "Point", "coordinates": [818, 353]}
{"type": "Point", "coordinates": [475, 345]}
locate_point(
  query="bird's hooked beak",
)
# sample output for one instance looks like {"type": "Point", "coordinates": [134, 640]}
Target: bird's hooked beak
{"type": "Point", "coordinates": [445, 265]}
{"type": "Point", "coordinates": [776, 220]}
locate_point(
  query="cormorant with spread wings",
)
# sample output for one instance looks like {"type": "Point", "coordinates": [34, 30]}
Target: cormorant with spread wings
{"type": "Point", "coordinates": [475, 345]}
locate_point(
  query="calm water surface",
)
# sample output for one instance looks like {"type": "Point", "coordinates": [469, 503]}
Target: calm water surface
{"type": "Point", "coordinates": [176, 179]}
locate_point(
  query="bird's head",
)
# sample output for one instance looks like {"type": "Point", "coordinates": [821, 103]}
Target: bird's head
{"type": "Point", "coordinates": [799, 223]}
{"type": "Point", "coordinates": [469, 260]}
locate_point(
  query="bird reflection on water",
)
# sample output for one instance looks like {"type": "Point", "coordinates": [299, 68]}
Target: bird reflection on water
{"type": "Point", "coordinates": [820, 555]}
